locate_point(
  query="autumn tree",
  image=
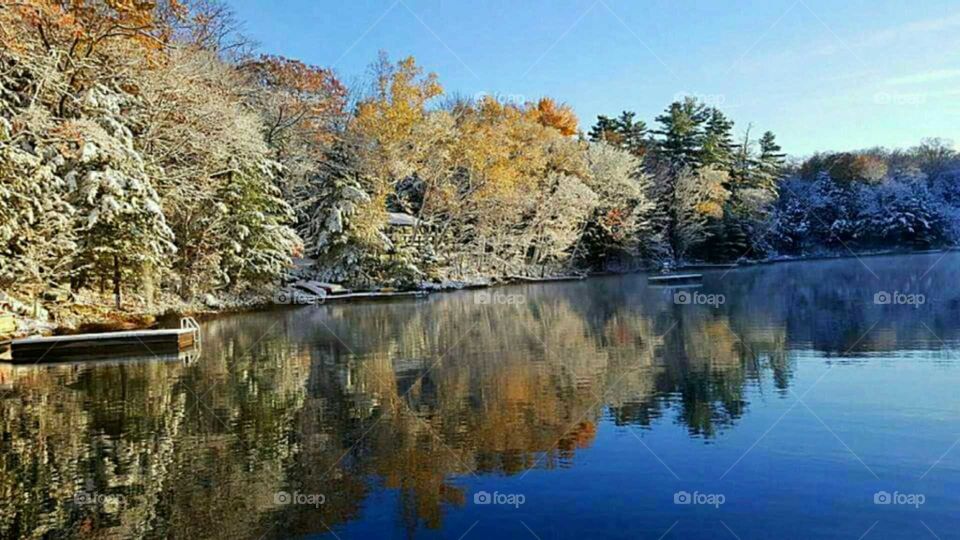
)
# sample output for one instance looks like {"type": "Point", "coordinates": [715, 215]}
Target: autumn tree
{"type": "Point", "coordinates": [387, 117]}
{"type": "Point", "coordinates": [302, 107]}
{"type": "Point", "coordinates": [846, 167]}
{"type": "Point", "coordinates": [620, 224]}
{"type": "Point", "coordinates": [699, 203]}
{"type": "Point", "coordinates": [93, 40]}
{"type": "Point", "coordinates": [548, 113]}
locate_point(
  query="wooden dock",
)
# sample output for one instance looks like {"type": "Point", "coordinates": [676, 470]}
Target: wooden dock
{"type": "Point", "coordinates": [8, 325]}
{"type": "Point", "coordinates": [674, 279]}
{"type": "Point", "coordinates": [375, 295]}
{"type": "Point", "coordinates": [529, 279]}
{"type": "Point", "coordinates": [105, 345]}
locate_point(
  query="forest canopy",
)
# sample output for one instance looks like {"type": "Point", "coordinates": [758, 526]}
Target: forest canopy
{"type": "Point", "coordinates": [147, 149]}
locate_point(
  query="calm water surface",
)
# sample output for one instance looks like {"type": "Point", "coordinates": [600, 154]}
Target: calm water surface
{"type": "Point", "coordinates": [779, 402]}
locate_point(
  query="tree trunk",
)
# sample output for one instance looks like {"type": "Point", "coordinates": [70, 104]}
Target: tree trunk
{"type": "Point", "coordinates": [117, 292]}
{"type": "Point", "coordinates": [148, 285]}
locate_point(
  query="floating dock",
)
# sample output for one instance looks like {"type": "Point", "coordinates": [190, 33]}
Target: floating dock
{"type": "Point", "coordinates": [105, 345]}
{"type": "Point", "coordinates": [674, 279]}
{"type": "Point", "coordinates": [529, 279]}
{"type": "Point", "coordinates": [7, 324]}
{"type": "Point", "coordinates": [376, 295]}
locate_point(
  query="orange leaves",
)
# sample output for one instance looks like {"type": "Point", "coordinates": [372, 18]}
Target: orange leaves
{"type": "Point", "coordinates": [394, 118]}
{"type": "Point", "coordinates": [846, 167]}
{"type": "Point", "coordinates": [613, 222]}
{"type": "Point", "coordinates": [581, 436]}
{"type": "Point", "coordinates": [298, 77]}
{"type": "Point", "coordinates": [486, 162]}
{"type": "Point", "coordinates": [711, 209]}
{"type": "Point", "coordinates": [80, 26]}
{"type": "Point", "coordinates": [297, 95]}
{"type": "Point", "coordinates": [508, 148]}
{"type": "Point", "coordinates": [557, 116]}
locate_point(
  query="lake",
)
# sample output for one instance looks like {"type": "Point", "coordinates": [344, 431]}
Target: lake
{"type": "Point", "coordinates": [799, 400]}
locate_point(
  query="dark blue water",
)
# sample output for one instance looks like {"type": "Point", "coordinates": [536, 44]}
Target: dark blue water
{"type": "Point", "coordinates": [798, 400]}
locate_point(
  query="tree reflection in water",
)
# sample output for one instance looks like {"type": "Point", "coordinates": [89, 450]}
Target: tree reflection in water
{"type": "Point", "coordinates": [351, 400]}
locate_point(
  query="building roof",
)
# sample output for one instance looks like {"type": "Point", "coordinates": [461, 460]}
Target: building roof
{"type": "Point", "coordinates": [399, 219]}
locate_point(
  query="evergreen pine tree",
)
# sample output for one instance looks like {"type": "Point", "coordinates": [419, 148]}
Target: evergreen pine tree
{"type": "Point", "coordinates": [771, 162]}
{"type": "Point", "coordinates": [681, 133]}
{"type": "Point", "coordinates": [718, 147]}
{"type": "Point", "coordinates": [339, 223]}
{"type": "Point", "coordinates": [633, 134]}
{"type": "Point", "coordinates": [256, 226]}
{"type": "Point", "coordinates": [753, 187]}
{"type": "Point", "coordinates": [622, 132]}
{"type": "Point", "coordinates": [605, 130]}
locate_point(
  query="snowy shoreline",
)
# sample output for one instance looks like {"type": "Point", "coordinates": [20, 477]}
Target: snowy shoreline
{"type": "Point", "coordinates": [211, 307]}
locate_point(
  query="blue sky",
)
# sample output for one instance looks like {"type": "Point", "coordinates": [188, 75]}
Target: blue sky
{"type": "Point", "coordinates": [823, 75]}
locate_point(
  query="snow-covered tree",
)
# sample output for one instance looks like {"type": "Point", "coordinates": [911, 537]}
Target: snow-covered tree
{"type": "Point", "coordinates": [340, 226]}
{"type": "Point", "coordinates": [823, 214]}
{"type": "Point", "coordinates": [790, 230]}
{"type": "Point", "coordinates": [36, 221]}
{"type": "Point", "coordinates": [257, 226]}
{"type": "Point", "coordinates": [621, 222]}
{"type": "Point", "coordinates": [906, 213]}
{"type": "Point", "coordinates": [217, 180]}
{"type": "Point", "coordinates": [558, 219]}
{"type": "Point", "coordinates": [122, 231]}
{"type": "Point", "coordinates": [698, 203]}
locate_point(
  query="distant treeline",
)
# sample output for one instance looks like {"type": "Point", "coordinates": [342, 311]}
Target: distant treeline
{"type": "Point", "coordinates": [761, 206]}
{"type": "Point", "coordinates": [146, 149]}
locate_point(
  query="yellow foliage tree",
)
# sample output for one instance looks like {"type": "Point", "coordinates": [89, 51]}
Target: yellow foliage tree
{"type": "Point", "coordinates": [398, 102]}
{"type": "Point", "coordinates": [389, 119]}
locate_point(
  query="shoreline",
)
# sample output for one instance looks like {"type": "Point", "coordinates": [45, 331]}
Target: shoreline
{"type": "Point", "coordinates": [106, 319]}
{"type": "Point", "coordinates": [849, 255]}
